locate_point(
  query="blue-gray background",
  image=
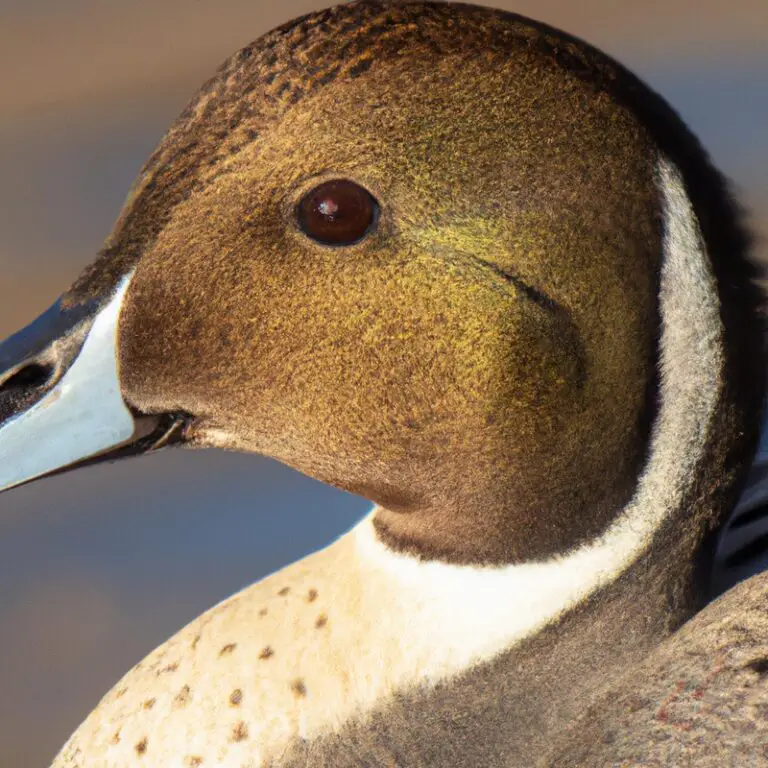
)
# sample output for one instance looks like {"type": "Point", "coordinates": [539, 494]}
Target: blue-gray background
{"type": "Point", "coordinates": [99, 566]}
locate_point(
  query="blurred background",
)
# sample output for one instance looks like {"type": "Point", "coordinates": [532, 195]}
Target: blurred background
{"type": "Point", "coordinates": [99, 566]}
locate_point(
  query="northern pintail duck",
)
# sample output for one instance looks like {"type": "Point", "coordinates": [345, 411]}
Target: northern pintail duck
{"type": "Point", "coordinates": [470, 268]}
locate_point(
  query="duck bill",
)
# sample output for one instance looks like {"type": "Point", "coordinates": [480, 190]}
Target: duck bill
{"type": "Point", "coordinates": [61, 404]}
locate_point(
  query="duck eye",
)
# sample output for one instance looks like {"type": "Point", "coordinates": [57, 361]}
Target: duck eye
{"type": "Point", "coordinates": [337, 212]}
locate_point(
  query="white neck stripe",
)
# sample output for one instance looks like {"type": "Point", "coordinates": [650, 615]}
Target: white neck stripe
{"type": "Point", "coordinates": [483, 610]}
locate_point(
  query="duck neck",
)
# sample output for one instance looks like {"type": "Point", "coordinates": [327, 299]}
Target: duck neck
{"type": "Point", "coordinates": [657, 545]}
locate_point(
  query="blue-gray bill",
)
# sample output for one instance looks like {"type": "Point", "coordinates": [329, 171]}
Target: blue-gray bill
{"type": "Point", "coordinates": [60, 398]}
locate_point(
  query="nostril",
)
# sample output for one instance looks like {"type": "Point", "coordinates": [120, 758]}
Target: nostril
{"type": "Point", "coordinates": [30, 376]}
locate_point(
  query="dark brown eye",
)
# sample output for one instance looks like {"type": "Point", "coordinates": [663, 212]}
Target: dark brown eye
{"type": "Point", "coordinates": [337, 212]}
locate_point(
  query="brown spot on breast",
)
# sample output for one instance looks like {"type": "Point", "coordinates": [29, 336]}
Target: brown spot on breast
{"type": "Point", "coordinates": [193, 760]}
{"type": "Point", "coordinates": [182, 697]}
{"type": "Point", "coordinates": [284, 591]}
{"type": "Point", "coordinates": [311, 595]}
{"type": "Point", "coordinates": [195, 642]}
{"type": "Point", "coordinates": [115, 737]}
{"type": "Point", "coordinates": [263, 612]}
{"type": "Point", "coordinates": [235, 697]}
{"type": "Point", "coordinates": [321, 621]}
{"type": "Point", "coordinates": [141, 746]}
{"type": "Point", "coordinates": [228, 648]}
{"type": "Point", "coordinates": [299, 688]}
{"type": "Point", "coordinates": [121, 692]}
{"type": "Point", "coordinates": [239, 732]}
{"type": "Point", "coordinates": [167, 668]}
{"type": "Point", "coordinates": [149, 703]}
{"type": "Point", "coordinates": [760, 666]}
{"type": "Point", "coordinates": [266, 652]}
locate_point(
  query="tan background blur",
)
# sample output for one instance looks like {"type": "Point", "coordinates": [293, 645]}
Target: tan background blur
{"type": "Point", "coordinates": [99, 566]}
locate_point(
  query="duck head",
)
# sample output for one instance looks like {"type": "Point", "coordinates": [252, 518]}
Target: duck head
{"type": "Point", "coordinates": [414, 250]}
